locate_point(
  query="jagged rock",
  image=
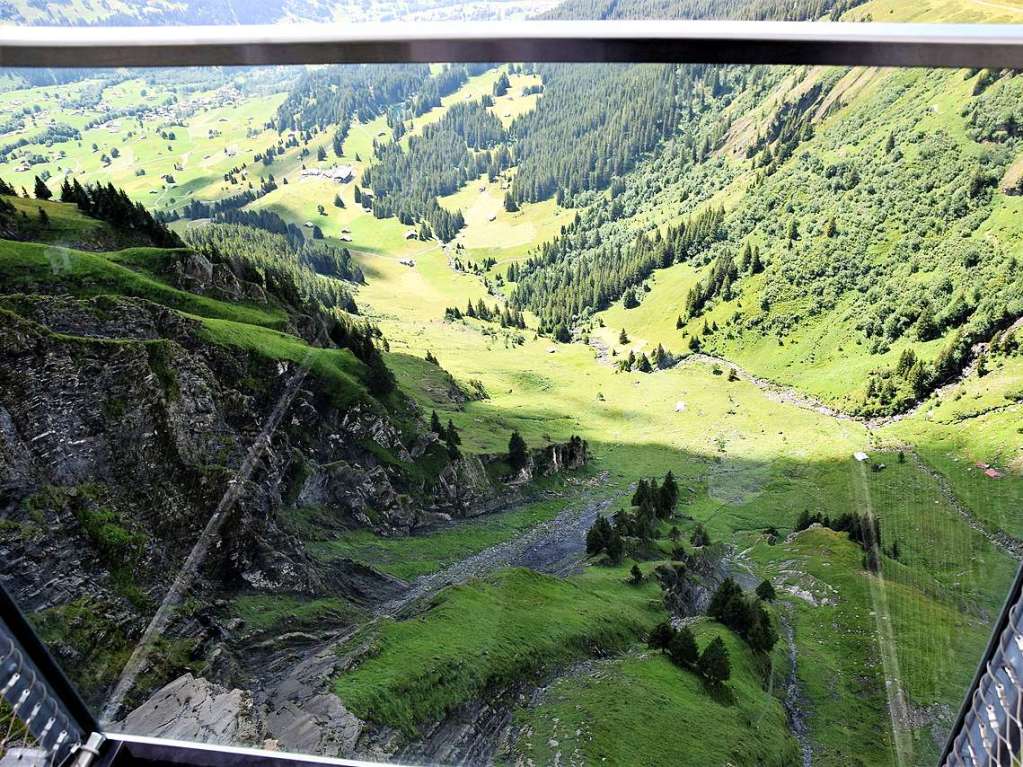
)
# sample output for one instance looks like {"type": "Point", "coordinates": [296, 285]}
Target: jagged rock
{"type": "Point", "coordinates": [196, 273]}
{"type": "Point", "coordinates": [366, 497]}
{"type": "Point", "coordinates": [195, 709]}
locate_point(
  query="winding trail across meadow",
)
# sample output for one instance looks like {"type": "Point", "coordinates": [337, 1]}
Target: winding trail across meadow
{"type": "Point", "coordinates": [555, 547]}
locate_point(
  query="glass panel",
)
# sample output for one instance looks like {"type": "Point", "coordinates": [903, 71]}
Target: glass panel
{"type": "Point", "coordinates": [533, 414]}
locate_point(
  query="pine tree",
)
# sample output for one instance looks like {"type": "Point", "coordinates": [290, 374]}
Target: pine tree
{"type": "Point", "coordinates": [682, 648]}
{"type": "Point", "coordinates": [766, 591]}
{"type": "Point", "coordinates": [660, 636]}
{"type": "Point", "coordinates": [667, 496]}
{"type": "Point", "coordinates": [338, 202]}
{"type": "Point", "coordinates": [452, 433]}
{"type": "Point", "coordinates": [42, 192]}
{"type": "Point", "coordinates": [518, 457]}
{"type": "Point", "coordinates": [714, 664]}
{"type": "Point", "coordinates": [452, 440]}
{"type": "Point", "coordinates": [435, 425]}
{"type": "Point", "coordinates": [636, 575]}
{"type": "Point", "coordinates": [381, 379]}
{"type": "Point", "coordinates": [623, 337]}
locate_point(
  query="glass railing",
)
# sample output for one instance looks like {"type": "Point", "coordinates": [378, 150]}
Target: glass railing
{"type": "Point", "coordinates": [516, 413]}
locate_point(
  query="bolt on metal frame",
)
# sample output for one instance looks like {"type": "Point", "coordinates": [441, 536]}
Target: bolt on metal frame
{"type": "Point", "coordinates": [989, 730]}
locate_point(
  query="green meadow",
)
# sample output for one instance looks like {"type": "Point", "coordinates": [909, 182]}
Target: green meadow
{"type": "Point", "coordinates": [749, 458]}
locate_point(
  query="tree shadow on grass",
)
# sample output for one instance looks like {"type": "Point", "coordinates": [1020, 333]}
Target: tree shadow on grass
{"type": "Point", "coordinates": [721, 694]}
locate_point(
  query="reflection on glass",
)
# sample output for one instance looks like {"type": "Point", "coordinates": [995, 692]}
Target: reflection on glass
{"type": "Point", "coordinates": [515, 413]}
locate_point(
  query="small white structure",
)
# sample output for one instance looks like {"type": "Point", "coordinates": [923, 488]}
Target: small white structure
{"type": "Point", "coordinates": [346, 231]}
{"type": "Point", "coordinates": [407, 262]}
{"type": "Point", "coordinates": [552, 350]}
{"type": "Point", "coordinates": [410, 234]}
{"type": "Point", "coordinates": [493, 217]}
{"type": "Point", "coordinates": [308, 224]}
{"type": "Point", "coordinates": [345, 238]}
{"type": "Point", "coordinates": [860, 456]}
{"type": "Point", "coordinates": [339, 174]}
{"type": "Point", "coordinates": [680, 407]}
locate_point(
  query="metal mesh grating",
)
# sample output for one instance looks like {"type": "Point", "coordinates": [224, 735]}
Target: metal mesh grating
{"type": "Point", "coordinates": [990, 729]}
{"type": "Point", "coordinates": [35, 727]}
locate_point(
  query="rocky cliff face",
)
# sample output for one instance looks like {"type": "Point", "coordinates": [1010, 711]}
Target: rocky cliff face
{"type": "Point", "coordinates": [121, 428]}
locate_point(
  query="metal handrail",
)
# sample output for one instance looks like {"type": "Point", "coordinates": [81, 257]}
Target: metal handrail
{"type": "Point", "coordinates": [736, 42]}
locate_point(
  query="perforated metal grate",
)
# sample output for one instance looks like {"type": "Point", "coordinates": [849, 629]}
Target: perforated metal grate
{"type": "Point", "coordinates": [990, 729]}
{"type": "Point", "coordinates": [36, 729]}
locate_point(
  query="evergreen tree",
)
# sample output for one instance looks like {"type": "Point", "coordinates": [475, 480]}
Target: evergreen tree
{"type": "Point", "coordinates": [502, 85]}
{"type": "Point", "coordinates": [435, 425]}
{"type": "Point", "coordinates": [766, 591]}
{"type": "Point", "coordinates": [597, 536]}
{"type": "Point", "coordinates": [452, 440]}
{"type": "Point", "coordinates": [509, 203]}
{"type": "Point", "coordinates": [660, 636]}
{"type": "Point", "coordinates": [761, 635]}
{"type": "Point", "coordinates": [714, 664]}
{"type": "Point", "coordinates": [636, 575]}
{"type": "Point", "coordinates": [667, 496]}
{"type": "Point", "coordinates": [452, 433]}
{"type": "Point", "coordinates": [700, 536]}
{"type": "Point", "coordinates": [518, 457]}
{"type": "Point", "coordinates": [42, 192]}
{"type": "Point", "coordinates": [338, 202]}
{"type": "Point", "coordinates": [615, 548]}
{"type": "Point", "coordinates": [623, 337]}
{"type": "Point", "coordinates": [381, 379]}
{"type": "Point", "coordinates": [682, 648]}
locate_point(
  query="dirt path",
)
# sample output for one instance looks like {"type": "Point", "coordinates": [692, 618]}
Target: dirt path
{"type": "Point", "coordinates": [998, 538]}
{"type": "Point", "coordinates": [555, 547]}
{"type": "Point", "coordinates": [789, 395]}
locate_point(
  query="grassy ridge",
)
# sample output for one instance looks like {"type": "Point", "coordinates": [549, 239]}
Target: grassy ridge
{"type": "Point", "coordinates": [33, 267]}
{"type": "Point", "coordinates": [642, 709]}
{"type": "Point", "coordinates": [485, 634]}
{"type": "Point", "coordinates": [412, 556]}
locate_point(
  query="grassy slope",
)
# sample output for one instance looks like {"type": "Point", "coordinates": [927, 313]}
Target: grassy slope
{"type": "Point", "coordinates": [30, 267]}
{"type": "Point", "coordinates": [607, 712]}
{"type": "Point", "coordinates": [750, 463]}
{"type": "Point", "coordinates": [33, 267]}
{"type": "Point", "coordinates": [490, 633]}
{"type": "Point", "coordinates": [417, 555]}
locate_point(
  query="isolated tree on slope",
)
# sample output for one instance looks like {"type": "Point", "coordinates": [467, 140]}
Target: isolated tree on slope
{"type": "Point", "coordinates": [766, 591]}
{"type": "Point", "coordinates": [518, 457]}
{"type": "Point", "coordinates": [714, 664]}
{"type": "Point", "coordinates": [42, 191]}
{"type": "Point", "coordinates": [682, 648]}
{"type": "Point", "coordinates": [636, 575]}
{"type": "Point", "coordinates": [661, 636]}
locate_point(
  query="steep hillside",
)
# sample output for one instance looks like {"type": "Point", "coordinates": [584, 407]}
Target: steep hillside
{"type": "Point", "coordinates": [863, 249]}
{"type": "Point", "coordinates": [142, 389]}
